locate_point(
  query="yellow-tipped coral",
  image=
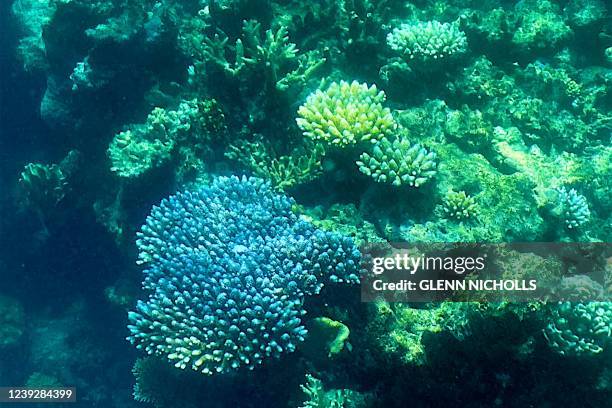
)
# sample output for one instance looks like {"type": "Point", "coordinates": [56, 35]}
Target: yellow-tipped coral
{"type": "Point", "coordinates": [346, 114]}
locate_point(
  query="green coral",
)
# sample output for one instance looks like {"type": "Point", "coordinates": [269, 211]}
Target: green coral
{"type": "Point", "coordinates": [42, 380]}
{"type": "Point", "coordinates": [271, 54]}
{"type": "Point", "coordinates": [345, 114]}
{"type": "Point", "coordinates": [301, 165]}
{"type": "Point", "coordinates": [460, 206]}
{"type": "Point", "coordinates": [580, 329]}
{"type": "Point", "coordinates": [146, 146]}
{"type": "Point", "coordinates": [428, 41]}
{"type": "Point", "coordinates": [482, 81]}
{"type": "Point", "coordinates": [345, 219]}
{"type": "Point", "coordinates": [469, 128]}
{"type": "Point", "coordinates": [399, 329]}
{"type": "Point", "coordinates": [399, 163]}
{"type": "Point", "coordinates": [33, 16]}
{"type": "Point", "coordinates": [582, 13]}
{"type": "Point", "coordinates": [540, 25]}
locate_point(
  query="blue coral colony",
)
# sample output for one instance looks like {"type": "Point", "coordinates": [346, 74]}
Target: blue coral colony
{"type": "Point", "coordinates": [227, 269]}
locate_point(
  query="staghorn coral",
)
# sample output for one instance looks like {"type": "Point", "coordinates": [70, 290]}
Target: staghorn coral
{"type": "Point", "coordinates": [345, 114]}
{"type": "Point", "coordinates": [459, 206]}
{"type": "Point", "coordinates": [270, 54]}
{"type": "Point", "coordinates": [398, 163]}
{"type": "Point", "coordinates": [301, 165]}
{"type": "Point", "coordinates": [427, 41]}
{"type": "Point", "coordinates": [228, 267]}
{"type": "Point", "coordinates": [579, 329]}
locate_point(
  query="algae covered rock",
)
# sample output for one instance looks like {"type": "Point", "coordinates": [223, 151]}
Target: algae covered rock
{"type": "Point", "coordinates": [12, 321]}
{"type": "Point", "coordinates": [146, 146]}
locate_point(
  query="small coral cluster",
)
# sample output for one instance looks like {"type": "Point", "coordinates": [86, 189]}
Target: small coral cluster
{"type": "Point", "coordinates": [346, 114]}
{"type": "Point", "coordinates": [427, 41]}
{"type": "Point", "coordinates": [398, 163]}
{"type": "Point", "coordinates": [228, 267]}
{"type": "Point", "coordinates": [574, 208]}
{"type": "Point", "coordinates": [459, 206]}
{"type": "Point", "coordinates": [580, 328]}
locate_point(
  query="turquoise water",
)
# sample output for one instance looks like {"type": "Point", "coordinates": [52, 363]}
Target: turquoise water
{"type": "Point", "coordinates": [193, 190]}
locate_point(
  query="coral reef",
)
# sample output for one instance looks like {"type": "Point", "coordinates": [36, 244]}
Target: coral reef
{"type": "Point", "coordinates": [318, 397]}
{"type": "Point", "coordinates": [212, 251]}
{"type": "Point", "coordinates": [385, 120]}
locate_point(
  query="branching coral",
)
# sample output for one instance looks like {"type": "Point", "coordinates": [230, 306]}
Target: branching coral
{"type": "Point", "coordinates": [398, 163]}
{"type": "Point", "coordinates": [272, 53]}
{"type": "Point", "coordinates": [460, 206]}
{"type": "Point", "coordinates": [44, 186]}
{"type": "Point", "coordinates": [427, 41]}
{"type": "Point", "coordinates": [143, 147]}
{"type": "Point", "coordinates": [318, 397]}
{"type": "Point", "coordinates": [303, 164]}
{"type": "Point", "coordinates": [345, 114]}
{"type": "Point", "coordinates": [573, 208]}
{"type": "Point", "coordinates": [228, 268]}
{"type": "Point", "coordinates": [580, 329]}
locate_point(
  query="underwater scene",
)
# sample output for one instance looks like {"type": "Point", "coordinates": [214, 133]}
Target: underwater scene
{"type": "Point", "coordinates": [306, 204]}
